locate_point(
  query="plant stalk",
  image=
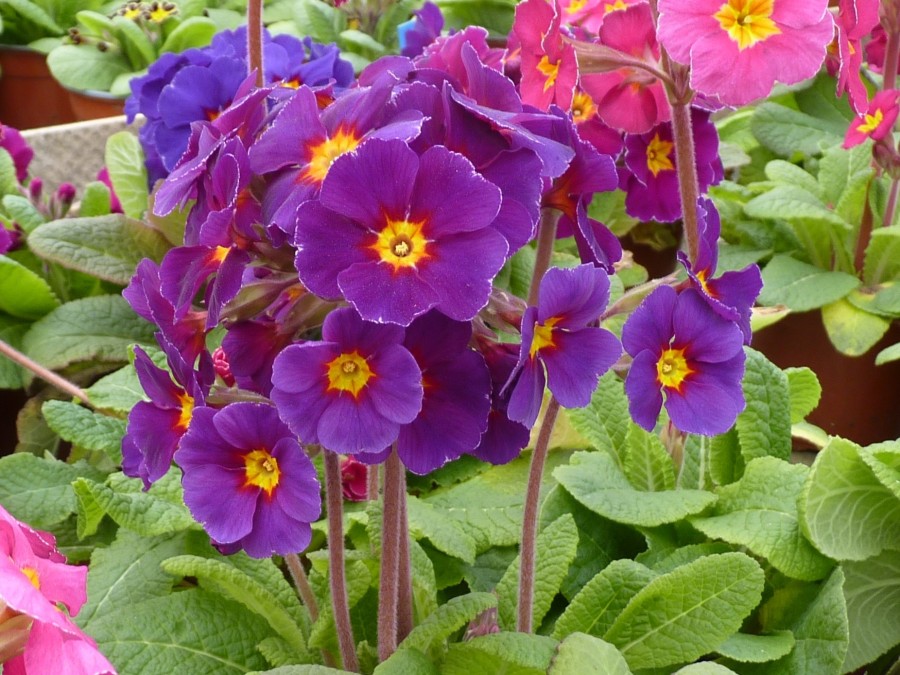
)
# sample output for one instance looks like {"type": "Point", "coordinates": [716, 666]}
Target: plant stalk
{"type": "Point", "coordinates": [688, 185]}
{"type": "Point", "coordinates": [304, 590]}
{"type": "Point", "coordinates": [48, 376]}
{"type": "Point", "coordinates": [891, 55]}
{"type": "Point", "coordinates": [254, 39]}
{"type": "Point", "coordinates": [545, 242]}
{"type": "Point", "coordinates": [388, 592]}
{"type": "Point", "coordinates": [865, 231]}
{"type": "Point", "coordinates": [891, 205]}
{"type": "Point", "coordinates": [404, 577]}
{"type": "Point", "coordinates": [335, 504]}
{"type": "Point", "coordinates": [528, 551]}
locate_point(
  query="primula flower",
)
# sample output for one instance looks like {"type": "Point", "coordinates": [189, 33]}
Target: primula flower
{"type": "Point", "coordinates": [248, 481]}
{"type": "Point", "coordinates": [6, 239]}
{"type": "Point", "coordinates": [354, 477]}
{"type": "Point", "coordinates": [34, 577]}
{"type": "Point", "coordinates": [856, 19]}
{"type": "Point", "coordinates": [22, 154]}
{"type": "Point", "coordinates": [559, 335]}
{"type": "Point", "coordinates": [395, 248]}
{"type": "Point", "coordinates": [738, 49]}
{"type": "Point", "coordinates": [351, 392]}
{"type": "Point", "coordinates": [877, 122]}
{"type": "Point", "coordinates": [684, 350]}
{"type": "Point", "coordinates": [420, 31]}
{"type": "Point", "coordinates": [549, 67]}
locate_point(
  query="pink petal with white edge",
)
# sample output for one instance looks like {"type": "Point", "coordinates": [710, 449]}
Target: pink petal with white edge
{"type": "Point", "coordinates": [681, 23]}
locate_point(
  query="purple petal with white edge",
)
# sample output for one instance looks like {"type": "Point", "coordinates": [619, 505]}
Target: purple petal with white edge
{"type": "Point", "coordinates": [435, 338]}
{"type": "Point", "coordinates": [443, 178]}
{"type": "Point", "coordinates": [302, 411]}
{"type": "Point", "coordinates": [396, 390]}
{"type": "Point", "coordinates": [298, 491]}
{"type": "Point", "coordinates": [274, 532]}
{"type": "Point", "coordinates": [156, 382]}
{"type": "Point", "coordinates": [596, 243]}
{"type": "Point", "coordinates": [284, 143]}
{"type": "Point", "coordinates": [218, 500]}
{"type": "Point", "coordinates": [703, 334]}
{"type": "Point", "coordinates": [577, 296]}
{"type": "Point", "coordinates": [463, 269]}
{"type": "Point", "coordinates": [250, 426]}
{"type": "Point", "coordinates": [738, 290]}
{"type": "Point", "coordinates": [327, 244]}
{"type": "Point", "coordinates": [650, 325]}
{"type": "Point", "coordinates": [423, 446]}
{"type": "Point", "coordinates": [642, 388]}
{"type": "Point", "coordinates": [527, 393]}
{"type": "Point", "coordinates": [150, 442]}
{"type": "Point", "coordinates": [383, 295]}
{"type": "Point", "coordinates": [576, 363]}
{"type": "Point", "coordinates": [371, 458]}
{"type": "Point", "coordinates": [348, 330]}
{"type": "Point", "coordinates": [349, 426]}
{"type": "Point", "coordinates": [301, 367]}
{"type": "Point", "coordinates": [183, 271]}
{"type": "Point", "coordinates": [372, 184]}
{"type": "Point", "coordinates": [503, 440]}
{"type": "Point", "coordinates": [711, 398]}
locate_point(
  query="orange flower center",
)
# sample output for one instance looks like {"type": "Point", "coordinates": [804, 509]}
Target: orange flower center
{"type": "Point", "coordinates": [672, 369]}
{"type": "Point", "coordinates": [261, 470]}
{"type": "Point", "coordinates": [349, 372]}
{"type": "Point", "coordinates": [401, 244]}
{"type": "Point", "coordinates": [323, 154]}
{"type": "Point", "coordinates": [549, 71]}
{"type": "Point", "coordinates": [747, 21]}
{"type": "Point", "coordinates": [659, 155]}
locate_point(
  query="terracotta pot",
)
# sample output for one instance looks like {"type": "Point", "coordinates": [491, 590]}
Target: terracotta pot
{"type": "Point", "coordinates": [860, 401]}
{"type": "Point", "coordinates": [93, 105]}
{"type": "Point", "coordinates": [29, 96]}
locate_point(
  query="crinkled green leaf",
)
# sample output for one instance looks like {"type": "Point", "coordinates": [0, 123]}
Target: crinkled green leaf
{"type": "Point", "coordinates": [587, 655]}
{"type": "Point", "coordinates": [790, 202]}
{"type": "Point", "coordinates": [680, 616]}
{"type": "Point", "coordinates": [192, 631]}
{"type": "Point", "coordinates": [555, 551]}
{"type": "Point", "coordinates": [882, 261]}
{"type": "Point", "coordinates": [109, 247]}
{"type": "Point", "coordinates": [359, 579]}
{"type": "Point", "coordinates": [786, 131]}
{"type": "Point", "coordinates": [790, 174]}
{"type": "Point", "coordinates": [801, 286]}
{"type": "Point", "coordinates": [595, 608]}
{"type": "Point", "coordinates": [22, 212]}
{"type": "Point", "coordinates": [407, 662]}
{"type": "Point", "coordinates": [647, 465]}
{"type": "Point", "coordinates": [23, 293]}
{"type": "Point", "coordinates": [805, 392]}
{"type": "Point", "coordinates": [851, 330]}
{"type": "Point", "coordinates": [447, 619]}
{"type": "Point", "coordinates": [666, 560]}
{"type": "Point", "coordinates": [12, 375]}
{"type": "Point", "coordinates": [489, 567]}
{"type": "Point", "coordinates": [86, 429]}
{"type": "Point", "coordinates": [125, 160]}
{"type": "Point", "coordinates": [322, 21]}
{"type": "Point", "coordinates": [748, 648]}
{"type": "Point", "coordinates": [725, 460]}
{"type": "Point", "coordinates": [604, 422]}
{"type": "Point", "coordinates": [884, 460]}
{"type": "Point", "coordinates": [764, 427]}
{"type": "Point", "coordinates": [704, 668]}
{"type": "Point", "coordinates": [424, 584]}
{"type": "Point", "coordinates": [760, 513]}
{"type": "Point", "coordinates": [845, 509]}
{"type": "Point", "coordinates": [193, 32]}
{"type": "Point", "coordinates": [96, 200]}
{"type": "Point", "coordinates": [86, 67]}
{"type": "Point", "coordinates": [595, 481]}
{"type": "Point", "coordinates": [872, 594]}
{"type": "Point", "coordinates": [507, 653]}
{"type": "Point", "coordinates": [445, 534]}
{"type": "Point", "coordinates": [119, 391]}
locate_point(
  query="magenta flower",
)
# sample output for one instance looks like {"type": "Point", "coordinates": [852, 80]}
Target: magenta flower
{"type": "Point", "coordinates": [248, 481]}
{"type": "Point", "coordinates": [351, 392]}
{"type": "Point", "coordinates": [856, 19]}
{"type": "Point", "coordinates": [17, 147]}
{"type": "Point", "coordinates": [354, 476]}
{"type": "Point", "coordinates": [420, 31]}
{"type": "Point", "coordinates": [684, 350]}
{"type": "Point", "coordinates": [396, 248]}
{"type": "Point", "coordinates": [559, 335]}
{"type": "Point", "coordinates": [877, 122]}
{"type": "Point", "coordinates": [738, 49]}
{"type": "Point", "coordinates": [549, 68]}
{"type": "Point", "coordinates": [34, 577]}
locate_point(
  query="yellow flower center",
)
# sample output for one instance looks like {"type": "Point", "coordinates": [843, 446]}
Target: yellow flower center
{"type": "Point", "coordinates": [613, 6]}
{"type": "Point", "coordinates": [871, 122]}
{"type": "Point", "coordinates": [659, 155]}
{"type": "Point", "coordinates": [349, 372]}
{"type": "Point", "coordinates": [187, 410]}
{"type": "Point", "coordinates": [583, 107]}
{"type": "Point", "coordinates": [672, 369]}
{"type": "Point", "coordinates": [401, 244]}
{"type": "Point", "coordinates": [261, 470]}
{"type": "Point", "coordinates": [747, 21]}
{"type": "Point", "coordinates": [323, 154]}
{"type": "Point", "coordinates": [548, 70]}
{"type": "Point", "coordinates": [220, 253]}
{"type": "Point", "coordinates": [576, 6]}
{"type": "Point", "coordinates": [160, 11]}
{"type": "Point", "coordinates": [543, 336]}
{"type": "Point", "coordinates": [32, 575]}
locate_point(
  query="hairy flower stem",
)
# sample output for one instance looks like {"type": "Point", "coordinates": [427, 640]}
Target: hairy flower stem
{"type": "Point", "coordinates": [688, 187]}
{"type": "Point", "coordinates": [372, 474]}
{"type": "Point", "coordinates": [404, 576]}
{"type": "Point", "coordinates": [545, 241]}
{"type": "Point", "coordinates": [49, 376]}
{"type": "Point", "coordinates": [335, 504]}
{"type": "Point", "coordinates": [388, 593]}
{"type": "Point", "coordinates": [254, 39]}
{"type": "Point", "coordinates": [528, 551]}
{"type": "Point", "coordinates": [891, 55]}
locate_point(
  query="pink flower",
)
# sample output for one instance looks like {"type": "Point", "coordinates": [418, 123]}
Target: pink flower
{"type": "Point", "coordinates": [354, 475]}
{"type": "Point", "coordinates": [34, 578]}
{"type": "Point", "coordinates": [737, 49]}
{"type": "Point", "coordinates": [856, 19]}
{"type": "Point", "coordinates": [549, 68]}
{"type": "Point", "coordinates": [878, 120]}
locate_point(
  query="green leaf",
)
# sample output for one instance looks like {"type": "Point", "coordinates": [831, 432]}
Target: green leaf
{"type": "Point", "coordinates": [882, 261]}
{"type": "Point", "coordinates": [884, 460]}
{"type": "Point", "coordinates": [725, 460]}
{"type": "Point", "coordinates": [407, 662]}
{"type": "Point", "coordinates": [109, 247]}
{"type": "Point", "coordinates": [587, 655]}
{"type": "Point", "coordinates": [189, 632]}
{"type": "Point", "coordinates": [12, 376]}
{"type": "Point", "coordinates": [791, 202]}
{"type": "Point", "coordinates": [444, 533]}
{"type": "Point", "coordinates": [157, 511]}
{"type": "Point", "coordinates": [666, 560]}
{"type": "Point", "coordinates": [86, 429]}
{"type": "Point", "coordinates": [888, 354]}
{"type": "Point", "coordinates": [231, 582]}
{"type": "Point", "coordinates": [872, 594]}
{"type": "Point", "coordinates": [506, 653]}
{"type": "Point", "coordinates": [125, 160]}
{"type": "Point", "coordinates": [32, 12]}
{"type": "Point", "coordinates": [23, 212]}
{"type": "Point", "coordinates": [801, 286]}
{"type": "Point", "coordinates": [704, 668]}
{"type": "Point", "coordinates": [359, 579]}
{"type": "Point", "coordinates": [319, 20]}
{"type": "Point", "coordinates": [361, 43]}
{"type": "Point", "coordinates": [595, 481]}
{"type": "Point", "coordinates": [851, 330]}
{"type": "Point", "coordinates": [95, 201]}
{"type": "Point", "coordinates": [555, 551]}
{"type": "Point", "coordinates": [38, 490]}
{"type": "Point", "coordinates": [764, 427]}
{"type": "Point", "coordinates": [844, 509]}
{"type": "Point", "coordinates": [790, 174]}
{"type": "Point", "coordinates": [748, 648]}
{"type": "Point", "coordinates": [786, 131]}
{"type": "Point", "coordinates": [680, 616]}
{"type": "Point", "coordinates": [760, 513]}
{"type": "Point", "coordinates": [86, 67]}
{"type": "Point", "coordinates": [118, 391]}
{"type": "Point", "coordinates": [604, 422]}
{"type": "Point", "coordinates": [305, 669]}
{"type": "Point", "coordinates": [196, 31]}
{"type": "Point", "coordinates": [489, 567]}
{"type": "Point", "coordinates": [447, 619]}
{"type": "Point", "coordinates": [648, 466]}
{"type": "Point", "coordinates": [134, 42]}
{"type": "Point", "coordinates": [424, 584]}
{"type": "Point", "coordinates": [805, 392]}
{"type": "Point", "coordinates": [596, 607]}
{"type": "Point", "coordinates": [23, 293]}
{"type": "Point", "coordinates": [99, 328]}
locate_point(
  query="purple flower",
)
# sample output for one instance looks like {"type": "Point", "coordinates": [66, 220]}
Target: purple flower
{"type": "Point", "coordinates": [684, 350]}
{"type": "Point", "coordinates": [420, 31]}
{"type": "Point", "coordinates": [6, 239]}
{"type": "Point", "coordinates": [391, 233]}
{"type": "Point", "coordinates": [731, 295]}
{"type": "Point", "coordinates": [558, 335]}
{"type": "Point", "coordinates": [13, 142]}
{"type": "Point", "coordinates": [650, 174]}
{"type": "Point", "coordinates": [351, 392]}
{"type": "Point", "coordinates": [248, 481]}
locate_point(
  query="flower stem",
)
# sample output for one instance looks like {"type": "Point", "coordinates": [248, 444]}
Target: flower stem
{"type": "Point", "coordinates": [891, 206]}
{"type": "Point", "coordinates": [546, 239]}
{"type": "Point", "coordinates": [865, 232]}
{"type": "Point", "coordinates": [891, 54]}
{"type": "Point", "coordinates": [529, 520]}
{"type": "Point", "coordinates": [49, 376]}
{"type": "Point", "coordinates": [372, 482]}
{"type": "Point", "coordinates": [335, 504]}
{"type": "Point", "coordinates": [254, 39]}
{"type": "Point", "coordinates": [688, 186]}
{"type": "Point", "coordinates": [304, 590]}
{"type": "Point", "coordinates": [388, 593]}
{"type": "Point", "coordinates": [404, 577]}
